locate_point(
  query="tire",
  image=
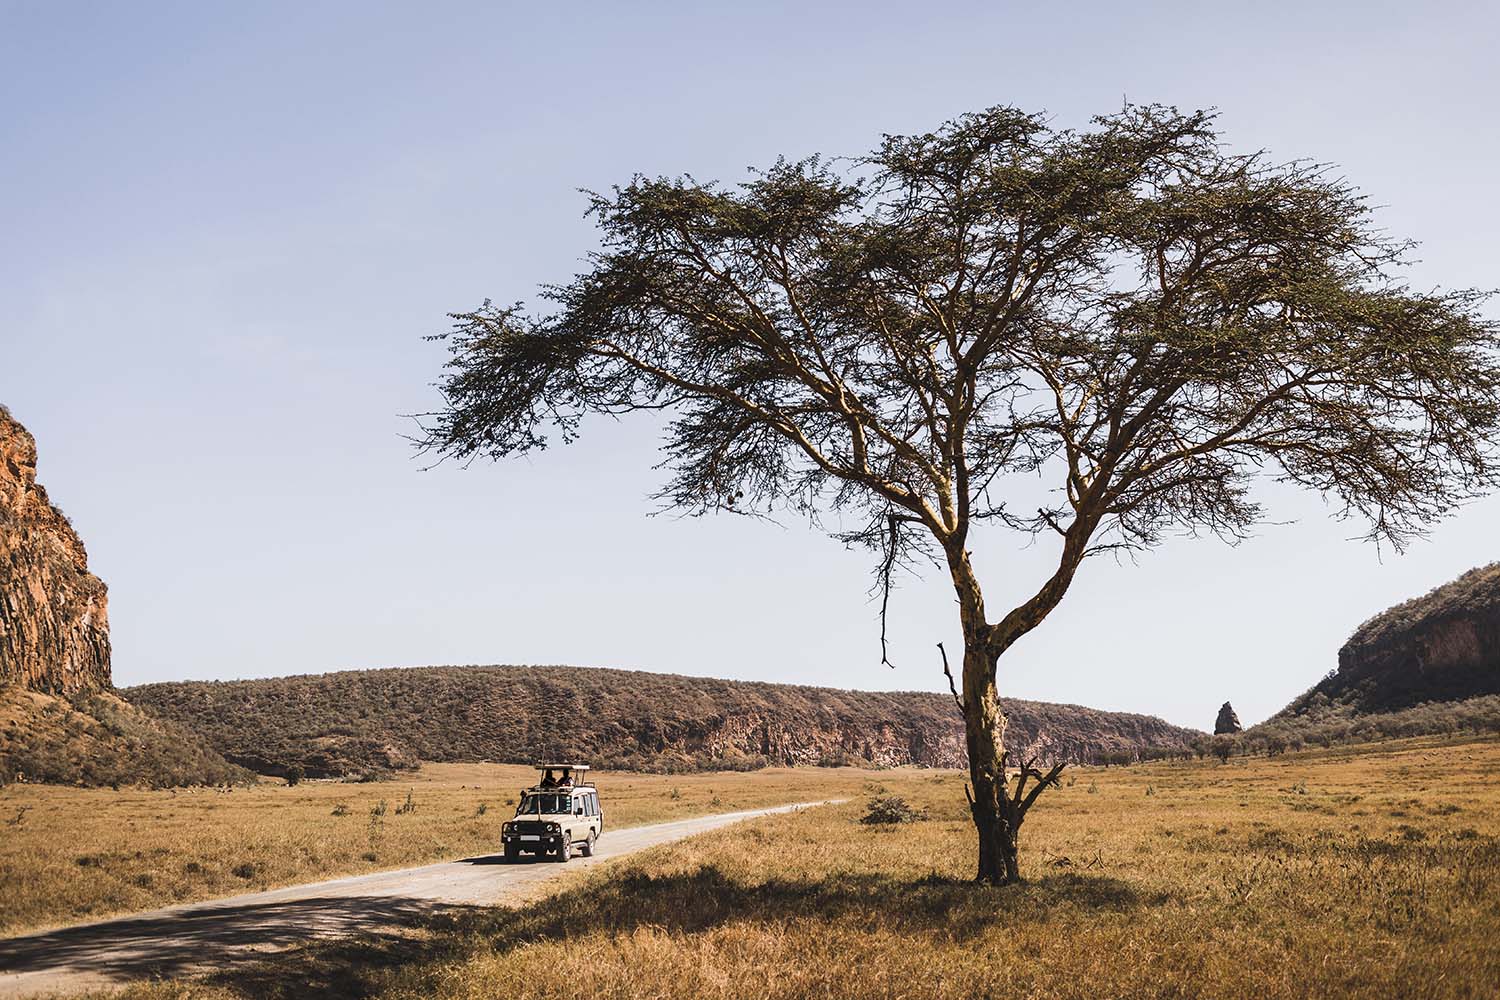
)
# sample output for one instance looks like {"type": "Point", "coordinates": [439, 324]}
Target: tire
{"type": "Point", "coordinates": [512, 853]}
{"type": "Point", "coordinates": [566, 850]}
{"type": "Point", "coordinates": [588, 845]}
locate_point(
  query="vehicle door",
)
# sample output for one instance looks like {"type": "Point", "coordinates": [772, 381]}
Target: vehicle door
{"type": "Point", "coordinates": [578, 823]}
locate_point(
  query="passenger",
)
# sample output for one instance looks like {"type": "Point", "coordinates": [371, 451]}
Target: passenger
{"type": "Point", "coordinates": [548, 781]}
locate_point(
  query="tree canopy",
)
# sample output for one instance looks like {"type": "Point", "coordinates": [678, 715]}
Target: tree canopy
{"type": "Point", "coordinates": [1130, 311]}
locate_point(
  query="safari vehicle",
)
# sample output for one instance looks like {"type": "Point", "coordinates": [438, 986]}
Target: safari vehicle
{"type": "Point", "coordinates": [557, 814]}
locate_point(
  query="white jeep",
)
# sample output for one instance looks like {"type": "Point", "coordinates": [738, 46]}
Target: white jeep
{"type": "Point", "coordinates": [557, 814]}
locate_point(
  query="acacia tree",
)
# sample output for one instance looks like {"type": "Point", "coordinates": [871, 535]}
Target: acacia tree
{"type": "Point", "coordinates": [1127, 322]}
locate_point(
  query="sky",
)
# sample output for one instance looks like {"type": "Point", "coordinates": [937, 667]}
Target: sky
{"type": "Point", "coordinates": [227, 230]}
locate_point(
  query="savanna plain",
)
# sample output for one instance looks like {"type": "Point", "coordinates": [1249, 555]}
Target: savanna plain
{"type": "Point", "coordinates": [1369, 871]}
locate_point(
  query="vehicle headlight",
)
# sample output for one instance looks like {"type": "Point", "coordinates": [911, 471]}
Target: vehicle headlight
{"type": "Point", "coordinates": [553, 827]}
{"type": "Point", "coordinates": [505, 828]}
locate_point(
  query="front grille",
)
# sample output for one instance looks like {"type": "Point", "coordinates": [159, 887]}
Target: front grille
{"type": "Point", "coordinates": [529, 827]}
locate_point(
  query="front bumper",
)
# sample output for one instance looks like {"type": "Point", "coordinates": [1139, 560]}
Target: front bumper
{"type": "Point", "coordinates": [531, 839]}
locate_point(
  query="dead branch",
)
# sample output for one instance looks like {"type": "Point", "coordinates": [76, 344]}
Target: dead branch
{"type": "Point", "coordinates": [953, 689]}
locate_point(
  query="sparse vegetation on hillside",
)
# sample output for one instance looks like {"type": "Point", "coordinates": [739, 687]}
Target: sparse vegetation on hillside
{"type": "Point", "coordinates": [370, 721]}
{"type": "Point", "coordinates": [1473, 593]}
{"type": "Point", "coordinates": [95, 738]}
{"type": "Point", "coordinates": [1325, 725]}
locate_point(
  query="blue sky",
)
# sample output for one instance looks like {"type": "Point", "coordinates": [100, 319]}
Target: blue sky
{"type": "Point", "coordinates": [228, 228]}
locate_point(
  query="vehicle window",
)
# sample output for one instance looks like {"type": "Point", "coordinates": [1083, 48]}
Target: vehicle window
{"type": "Point", "coordinates": [594, 803]}
{"type": "Point", "coordinates": [541, 804]}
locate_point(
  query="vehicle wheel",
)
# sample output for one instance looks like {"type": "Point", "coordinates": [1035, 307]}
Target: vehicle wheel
{"type": "Point", "coordinates": [588, 845]}
{"type": "Point", "coordinates": [566, 850]}
{"type": "Point", "coordinates": [512, 853]}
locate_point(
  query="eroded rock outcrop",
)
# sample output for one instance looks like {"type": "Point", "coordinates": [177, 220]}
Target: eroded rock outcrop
{"type": "Point", "coordinates": [1228, 722]}
{"type": "Point", "coordinates": [54, 613]}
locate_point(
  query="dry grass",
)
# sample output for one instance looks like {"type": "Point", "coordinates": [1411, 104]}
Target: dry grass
{"type": "Point", "coordinates": [76, 854]}
{"type": "Point", "coordinates": [1359, 872]}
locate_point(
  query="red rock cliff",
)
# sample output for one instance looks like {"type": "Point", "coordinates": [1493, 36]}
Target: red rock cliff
{"type": "Point", "coordinates": [54, 619]}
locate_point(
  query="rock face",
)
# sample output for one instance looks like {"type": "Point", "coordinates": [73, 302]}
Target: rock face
{"type": "Point", "coordinates": [1441, 647]}
{"type": "Point", "coordinates": [1227, 722]}
{"type": "Point", "coordinates": [54, 613]}
{"type": "Point", "coordinates": [1444, 646]}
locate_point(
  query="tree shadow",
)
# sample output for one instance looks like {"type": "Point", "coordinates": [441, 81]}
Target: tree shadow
{"type": "Point", "coordinates": [220, 939]}
{"type": "Point", "coordinates": [686, 903]}
{"type": "Point", "coordinates": [342, 948]}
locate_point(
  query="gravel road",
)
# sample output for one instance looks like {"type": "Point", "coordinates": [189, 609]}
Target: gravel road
{"type": "Point", "coordinates": [204, 937]}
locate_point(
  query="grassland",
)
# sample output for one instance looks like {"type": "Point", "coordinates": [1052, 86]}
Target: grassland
{"type": "Point", "coordinates": [1366, 872]}
{"type": "Point", "coordinates": [75, 854]}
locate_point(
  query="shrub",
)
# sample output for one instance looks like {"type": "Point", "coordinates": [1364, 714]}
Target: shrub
{"type": "Point", "coordinates": [295, 774]}
{"type": "Point", "coordinates": [891, 809]}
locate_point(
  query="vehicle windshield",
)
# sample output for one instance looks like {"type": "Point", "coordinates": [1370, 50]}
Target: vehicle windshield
{"type": "Point", "coordinates": [533, 805]}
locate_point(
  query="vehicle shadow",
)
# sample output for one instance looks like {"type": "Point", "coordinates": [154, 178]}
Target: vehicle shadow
{"type": "Point", "coordinates": [687, 903]}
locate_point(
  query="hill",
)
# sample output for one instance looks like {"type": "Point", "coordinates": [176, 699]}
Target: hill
{"type": "Point", "coordinates": [1427, 665]}
{"type": "Point", "coordinates": [97, 738]}
{"type": "Point", "coordinates": [1443, 646]}
{"type": "Point", "coordinates": [372, 721]}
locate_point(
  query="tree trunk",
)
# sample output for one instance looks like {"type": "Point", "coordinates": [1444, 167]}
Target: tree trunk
{"type": "Point", "coordinates": [984, 730]}
{"type": "Point", "coordinates": [995, 818]}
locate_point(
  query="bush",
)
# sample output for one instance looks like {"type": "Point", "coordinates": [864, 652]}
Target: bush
{"type": "Point", "coordinates": [294, 775]}
{"type": "Point", "coordinates": [891, 809]}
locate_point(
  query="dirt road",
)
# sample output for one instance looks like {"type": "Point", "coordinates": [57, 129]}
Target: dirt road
{"type": "Point", "coordinates": [203, 937]}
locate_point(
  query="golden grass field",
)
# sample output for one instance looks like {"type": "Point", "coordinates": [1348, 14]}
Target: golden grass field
{"type": "Point", "coordinates": [1365, 872]}
{"type": "Point", "coordinates": [73, 854]}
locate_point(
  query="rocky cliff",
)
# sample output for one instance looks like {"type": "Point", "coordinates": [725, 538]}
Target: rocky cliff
{"type": "Point", "coordinates": [1441, 647]}
{"type": "Point", "coordinates": [54, 613]}
{"type": "Point", "coordinates": [371, 720]}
